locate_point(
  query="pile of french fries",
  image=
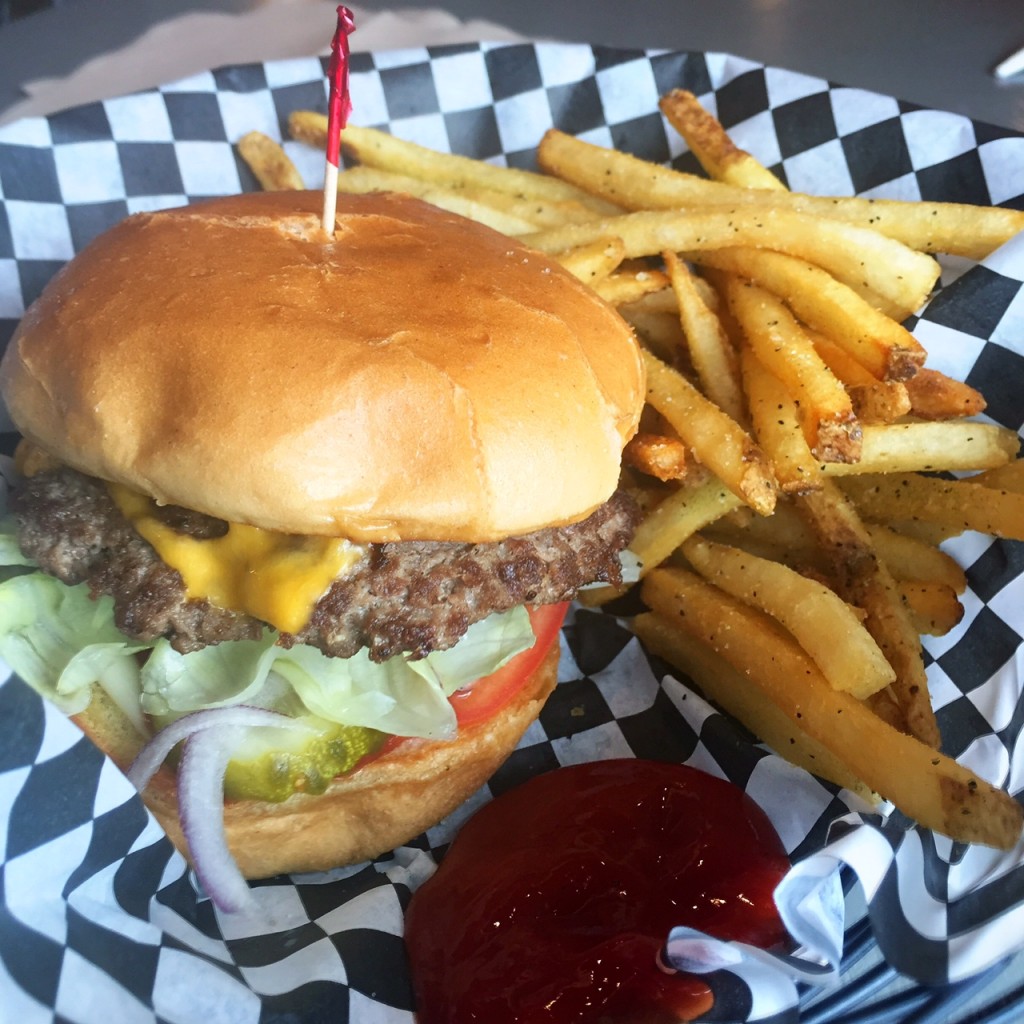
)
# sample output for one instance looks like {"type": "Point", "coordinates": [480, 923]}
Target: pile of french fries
{"type": "Point", "coordinates": [795, 457]}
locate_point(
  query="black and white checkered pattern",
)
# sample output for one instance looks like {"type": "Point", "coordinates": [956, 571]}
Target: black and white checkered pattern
{"type": "Point", "coordinates": [99, 918]}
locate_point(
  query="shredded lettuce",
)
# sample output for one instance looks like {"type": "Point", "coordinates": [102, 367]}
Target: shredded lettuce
{"type": "Point", "coordinates": [61, 641]}
{"type": "Point", "coordinates": [10, 552]}
{"type": "Point", "coordinates": [400, 696]}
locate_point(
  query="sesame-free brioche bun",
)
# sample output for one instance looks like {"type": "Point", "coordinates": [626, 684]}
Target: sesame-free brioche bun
{"type": "Point", "coordinates": [417, 376]}
{"type": "Point", "coordinates": [360, 815]}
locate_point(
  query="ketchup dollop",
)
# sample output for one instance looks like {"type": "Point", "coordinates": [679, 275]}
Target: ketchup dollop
{"type": "Point", "coordinates": [555, 900]}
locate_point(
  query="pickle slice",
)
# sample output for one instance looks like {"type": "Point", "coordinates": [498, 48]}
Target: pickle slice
{"type": "Point", "coordinates": [272, 764]}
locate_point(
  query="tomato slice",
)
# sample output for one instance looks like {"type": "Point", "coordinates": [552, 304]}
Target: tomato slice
{"type": "Point", "coordinates": [487, 696]}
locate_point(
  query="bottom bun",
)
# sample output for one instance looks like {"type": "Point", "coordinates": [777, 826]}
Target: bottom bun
{"type": "Point", "coordinates": [361, 815]}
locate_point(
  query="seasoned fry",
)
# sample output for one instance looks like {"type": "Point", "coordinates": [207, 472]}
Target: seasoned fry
{"type": "Point", "coordinates": [269, 162]}
{"type": "Point", "coordinates": [924, 447]}
{"type": "Point", "coordinates": [369, 179]}
{"type": "Point", "coordinates": [951, 504]}
{"type": "Point", "coordinates": [669, 523]}
{"type": "Point", "coordinates": [715, 438]}
{"type": "Point", "coordinates": [594, 262]}
{"type": "Point", "coordinates": [934, 608]}
{"type": "Point", "coordinates": [660, 332]}
{"type": "Point", "coordinates": [629, 285]}
{"type": "Point", "coordinates": [731, 690]}
{"type": "Point", "coordinates": [500, 210]}
{"type": "Point", "coordinates": [934, 396]}
{"type": "Point", "coordinates": [823, 624]}
{"type": "Point", "coordinates": [711, 352]}
{"type": "Point", "coordinates": [375, 148]}
{"type": "Point", "coordinates": [784, 536]}
{"type": "Point", "coordinates": [931, 788]}
{"type": "Point", "coordinates": [664, 458]}
{"type": "Point", "coordinates": [781, 344]}
{"type": "Point", "coordinates": [886, 349]}
{"type": "Point", "coordinates": [308, 126]}
{"type": "Point", "coordinates": [1006, 478]}
{"type": "Point", "coordinates": [888, 267]}
{"type": "Point", "coordinates": [914, 561]}
{"type": "Point", "coordinates": [862, 579]}
{"type": "Point", "coordinates": [776, 426]}
{"type": "Point", "coordinates": [874, 401]}
{"type": "Point", "coordinates": [927, 533]}
{"type": "Point", "coordinates": [635, 184]}
{"type": "Point", "coordinates": [717, 153]}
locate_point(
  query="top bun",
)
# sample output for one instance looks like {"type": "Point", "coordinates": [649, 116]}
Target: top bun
{"type": "Point", "coordinates": [418, 376]}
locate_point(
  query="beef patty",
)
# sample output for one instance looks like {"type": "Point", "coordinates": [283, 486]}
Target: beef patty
{"type": "Point", "coordinates": [413, 596]}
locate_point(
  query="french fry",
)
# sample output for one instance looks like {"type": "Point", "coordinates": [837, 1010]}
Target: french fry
{"type": "Point", "coordinates": [711, 145]}
{"type": "Point", "coordinates": [781, 344]}
{"type": "Point", "coordinates": [361, 180]}
{"type": "Point", "coordinates": [500, 210]}
{"type": "Point", "coordinates": [784, 536]}
{"type": "Point", "coordinates": [952, 445]}
{"type": "Point", "coordinates": [711, 352]}
{"type": "Point", "coordinates": [635, 184]}
{"type": "Point", "coordinates": [714, 437]}
{"type": "Point", "coordinates": [913, 561]}
{"type": "Point", "coordinates": [874, 401]}
{"type": "Point", "coordinates": [308, 126]}
{"type": "Point", "coordinates": [862, 579]}
{"type": "Point", "coordinates": [886, 349]}
{"type": "Point", "coordinates": [953, 504]}
{"type": "Point", "coordinates": [664, 458]}
{"type": "Point", "coordinates": [926, 532]}
{"type": "Point", "coordinates": [662, 333]}
{"type": "Point", "coordinates": [776, 426]}
{"type": "Point", "coordinates": [658, 302]}
{"type": "Point", "coordinates": [269, 162]}
{"type": "Point", "coordinates": [934, 396]}
{"type": "Point", "coordinates": [731, 690]}
{"type": "Point", "coordinates": [898, 273]}
{"type": "Point", "coordinates": [934, 608]}
{"type": "Point", "coordinates": [375, 148]}
{"type": "Point", "coordinates": [594, 262]}
{"type": "Point", "coordinates": [1006, 478]}
{"type": "Point", "coordinates": [678, 516]}
{"type": "Point", "coordinates": [823, 624]}
{"type": "Point", "coordinates": [881, 401]}
{"type": "Point", "coordinates": [932, 789]}
{"type": "Point", "coordinates": [629, 285]}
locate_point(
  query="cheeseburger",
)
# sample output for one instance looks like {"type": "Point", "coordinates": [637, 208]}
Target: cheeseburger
{"type": "Point", "coordinates": [296, 516]}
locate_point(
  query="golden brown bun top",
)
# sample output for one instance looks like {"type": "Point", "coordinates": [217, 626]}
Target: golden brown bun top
{"type": "Point", "coordinates": [418, 376]}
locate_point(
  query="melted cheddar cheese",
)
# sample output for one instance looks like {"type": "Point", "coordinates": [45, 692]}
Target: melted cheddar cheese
{"type": "Point", "coordinates": [275, 577]}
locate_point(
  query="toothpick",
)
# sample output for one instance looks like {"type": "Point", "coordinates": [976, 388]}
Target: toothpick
{"type": "Point", "coordinates": [339, 107]}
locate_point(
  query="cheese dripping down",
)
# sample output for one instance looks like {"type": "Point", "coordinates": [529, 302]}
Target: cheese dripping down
{"type": "Point", "coordinates": [275, 577]}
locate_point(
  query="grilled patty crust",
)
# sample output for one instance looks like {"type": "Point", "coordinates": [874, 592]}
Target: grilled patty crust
{"type": "Point", "coordinates": [409, 597]}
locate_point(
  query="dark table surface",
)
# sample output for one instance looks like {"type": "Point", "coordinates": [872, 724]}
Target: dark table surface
{"type": "Point", "coordinates": [938, 53]}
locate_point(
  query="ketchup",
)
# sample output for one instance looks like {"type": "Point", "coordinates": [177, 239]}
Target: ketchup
{"type": "Point", "coordinates": [555, 899]}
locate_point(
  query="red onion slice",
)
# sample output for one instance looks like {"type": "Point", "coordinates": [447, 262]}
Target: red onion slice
{"type": "Point", "coordinates": [155, 752]}
{"type": "Point", "coordinates": [201, 809]}
{"type": "Point", "coordinates": [210, 736]}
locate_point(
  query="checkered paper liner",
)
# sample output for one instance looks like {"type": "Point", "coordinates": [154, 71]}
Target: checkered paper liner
{"type": "Point", "coordinates": [100, 919]}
